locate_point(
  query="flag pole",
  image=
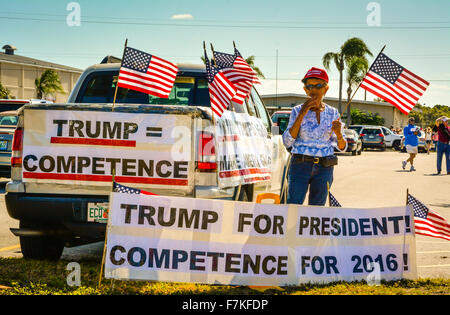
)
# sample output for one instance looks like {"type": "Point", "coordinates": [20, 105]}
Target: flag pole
{"type": "Point", "coordinates": [106, 232]}
{"type": "Point", "coordinates": [351, 99]}
{"type": "Point", "coordinates": [328, 191]}
{"type": "Point", "coordinates": [117, 84]}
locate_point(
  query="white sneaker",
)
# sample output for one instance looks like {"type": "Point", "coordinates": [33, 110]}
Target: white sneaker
{"type": "Point", "coordinates": [412, 169]}
{"type": "Point", "coordinates": [404, 164]}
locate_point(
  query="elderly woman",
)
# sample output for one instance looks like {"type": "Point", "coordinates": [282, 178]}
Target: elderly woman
{"type": "Point", "coordinates": [313, 132]}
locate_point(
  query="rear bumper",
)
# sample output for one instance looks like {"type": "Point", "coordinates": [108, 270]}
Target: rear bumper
{"type": "Point", "coordinates": [374, 145]}
{"type": "Point", "coordinates": [66, 215]}
{"type": "Point", "coordinates": [49, 208]}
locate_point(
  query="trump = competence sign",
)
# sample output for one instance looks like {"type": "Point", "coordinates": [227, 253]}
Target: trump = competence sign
{"type": "Point", "coordinates": [224, 242]}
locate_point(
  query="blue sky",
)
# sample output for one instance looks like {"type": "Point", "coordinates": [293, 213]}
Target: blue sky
{"type": "Point", "coordinates": [416, 34]}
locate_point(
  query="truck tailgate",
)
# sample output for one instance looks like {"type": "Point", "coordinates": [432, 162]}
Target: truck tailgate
{"type": "Point", "coordinates": [78, 148]}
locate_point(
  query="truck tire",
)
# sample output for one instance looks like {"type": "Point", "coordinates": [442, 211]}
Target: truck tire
{"type": "Point", "coordinates": [396, 145]}
{"type": "Point", "coordinates": [40, 247]}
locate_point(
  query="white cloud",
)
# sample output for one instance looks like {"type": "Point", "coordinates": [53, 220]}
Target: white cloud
{"type": "Point", "coordinates": [186, 16]}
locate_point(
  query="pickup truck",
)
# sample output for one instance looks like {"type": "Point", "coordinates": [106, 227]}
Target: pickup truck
{"type": "Point", "coordinates": [66, 156]}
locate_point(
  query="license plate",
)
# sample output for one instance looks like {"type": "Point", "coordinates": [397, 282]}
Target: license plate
{"type": "Point", "coordinates": [3, 145]}
{"type": "Point", "coordinates": [97, 212]}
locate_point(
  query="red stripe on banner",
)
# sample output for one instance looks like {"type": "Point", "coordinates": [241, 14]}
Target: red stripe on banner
{"type": "Point", "coordinates": [248, 171]}
{"type": "Point", "coordinates": [248, 180]}
{"type": "Point", "coordinates": [228, 138]}
{"type": "Point", "coordinates": [107, 178]}
{"type": "Point", "coordinates": [90, 141]}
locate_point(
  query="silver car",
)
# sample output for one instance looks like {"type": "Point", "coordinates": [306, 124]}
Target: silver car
{"type": "Point", "coordinates": [8, 123]}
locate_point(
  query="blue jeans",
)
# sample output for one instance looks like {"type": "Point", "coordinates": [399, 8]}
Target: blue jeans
{"type": "Point", "coordinates": [443, 149]}
{"type": "Point", "coordinates": [306, 175]}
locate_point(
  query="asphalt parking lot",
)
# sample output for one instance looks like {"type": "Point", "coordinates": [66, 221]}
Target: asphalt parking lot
{"type": "Point", "coordinates": [374, 179]}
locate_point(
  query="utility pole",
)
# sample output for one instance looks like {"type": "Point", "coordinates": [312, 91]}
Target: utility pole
{"type": "Point", "coordinates": [276, 80]}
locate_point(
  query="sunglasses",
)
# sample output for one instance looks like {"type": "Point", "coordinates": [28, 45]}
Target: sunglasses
{"type": "Point", "coordinates": [315, 86]}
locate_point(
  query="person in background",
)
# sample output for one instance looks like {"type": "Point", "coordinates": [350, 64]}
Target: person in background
{"type": "Point", "coordinates": [435, 138]}
{"type": "Point", "coordinates": [313, 132]}
{"type": "Point", "coordinates": [411, 142]}
{"type": "Point", "coordinates": [428, 139]}
{"type": "Point", "coordinates": [443, 143]}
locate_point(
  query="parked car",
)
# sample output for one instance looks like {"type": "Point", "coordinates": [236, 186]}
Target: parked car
{"type": "Point", "coordinates": [354, 141]}
{"type": "Point", "coordinates": [281, 119]}
{"type": "Point", "coordinates": [373, 137]}
{"type": "Point", "coordinates": [8, 123]}
{"type": "Point", "coordinates": [357, 128]}
{"type": "Point", "coordinates": [391, 139]}
{"type": "Point", "coordinates": [15, 104]}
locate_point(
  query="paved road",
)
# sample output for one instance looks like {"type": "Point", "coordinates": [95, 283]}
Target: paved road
{"type": "Point", "coordinates": [374, 179]}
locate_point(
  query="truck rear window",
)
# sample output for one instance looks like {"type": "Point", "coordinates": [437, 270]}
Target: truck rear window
{"type": "Point", "coordinates": [100, 88]}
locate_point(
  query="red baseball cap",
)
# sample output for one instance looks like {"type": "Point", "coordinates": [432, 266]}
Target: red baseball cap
{"type": "Point", "coordinates": [316, 73]}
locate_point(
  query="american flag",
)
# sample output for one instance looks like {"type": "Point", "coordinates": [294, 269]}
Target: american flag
{"type": "Point", "coordinates": [333, 201]}
{"type": "Point", "coordinates": [394, 84]}
{"type": "Point", "coordinates": [237, 70]}
{"type": "Point", "coordinates": [221, 90]}
{"type": "Point", "coordinates": [146, 73]}
{"type": "Point", "coordinates": [427, 222]}
{"type": "Point", "coordinates": [129, 190]}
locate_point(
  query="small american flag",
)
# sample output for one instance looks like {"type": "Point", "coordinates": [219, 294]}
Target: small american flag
{"type": "Point", "coordinates": [146, 73]}
{"type": "Point", "coordinates": [237, 70]}
{"type": "Point", "coordinates": [129, 190]}
{"type": "Point", "coordinates": [427, 222]}
{"type": "Point", "coordinates": [221, 90]}
{"type": "Point", "coordinates": [333, 201]}
{"type": "Point", "coordinates": [394, 84]}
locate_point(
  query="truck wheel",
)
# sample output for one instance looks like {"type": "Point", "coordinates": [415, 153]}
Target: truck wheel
{"type": "Point", "coordinates": [396, 145]}
{"type": "Point", "coordinates": [40, 247]}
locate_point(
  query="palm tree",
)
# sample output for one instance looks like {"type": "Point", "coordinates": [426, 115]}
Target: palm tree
{"type": "Point", "coordinates": [251, 62]}
{"type": "Point", "coordinates": [353, 47]}
{"type": "Point", "coordinates": [4, 92]}
{"type": "Point", "coordinates": [357, 68]}
{"type": "Point", "coordinates": [48, 83]}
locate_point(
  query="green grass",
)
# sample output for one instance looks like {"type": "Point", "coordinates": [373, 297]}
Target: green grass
{"type": "Point", "coordinates": [25, 277]}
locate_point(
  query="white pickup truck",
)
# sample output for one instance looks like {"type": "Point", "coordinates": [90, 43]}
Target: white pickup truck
{"type": "Point", "coordinates": [65, 156]}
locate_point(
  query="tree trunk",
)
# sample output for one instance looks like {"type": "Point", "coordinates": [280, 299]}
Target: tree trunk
{"type": "Point", "coordinates": [349, 117]}
{"type": "Point", "coordinates": [341, 70]}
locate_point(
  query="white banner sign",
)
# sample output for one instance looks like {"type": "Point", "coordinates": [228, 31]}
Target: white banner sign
{"type": "Point", "coordinates": [225, 242]}
{"type": "Point", "coordinates": [244, 150]}
{"type": "Point", "coordinates": [88, 147]}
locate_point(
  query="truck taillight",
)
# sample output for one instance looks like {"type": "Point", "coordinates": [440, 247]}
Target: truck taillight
{"type": "Point", "coordinates": [206, 152]}
{"type": "Point", "coordinates": [17, 146]}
